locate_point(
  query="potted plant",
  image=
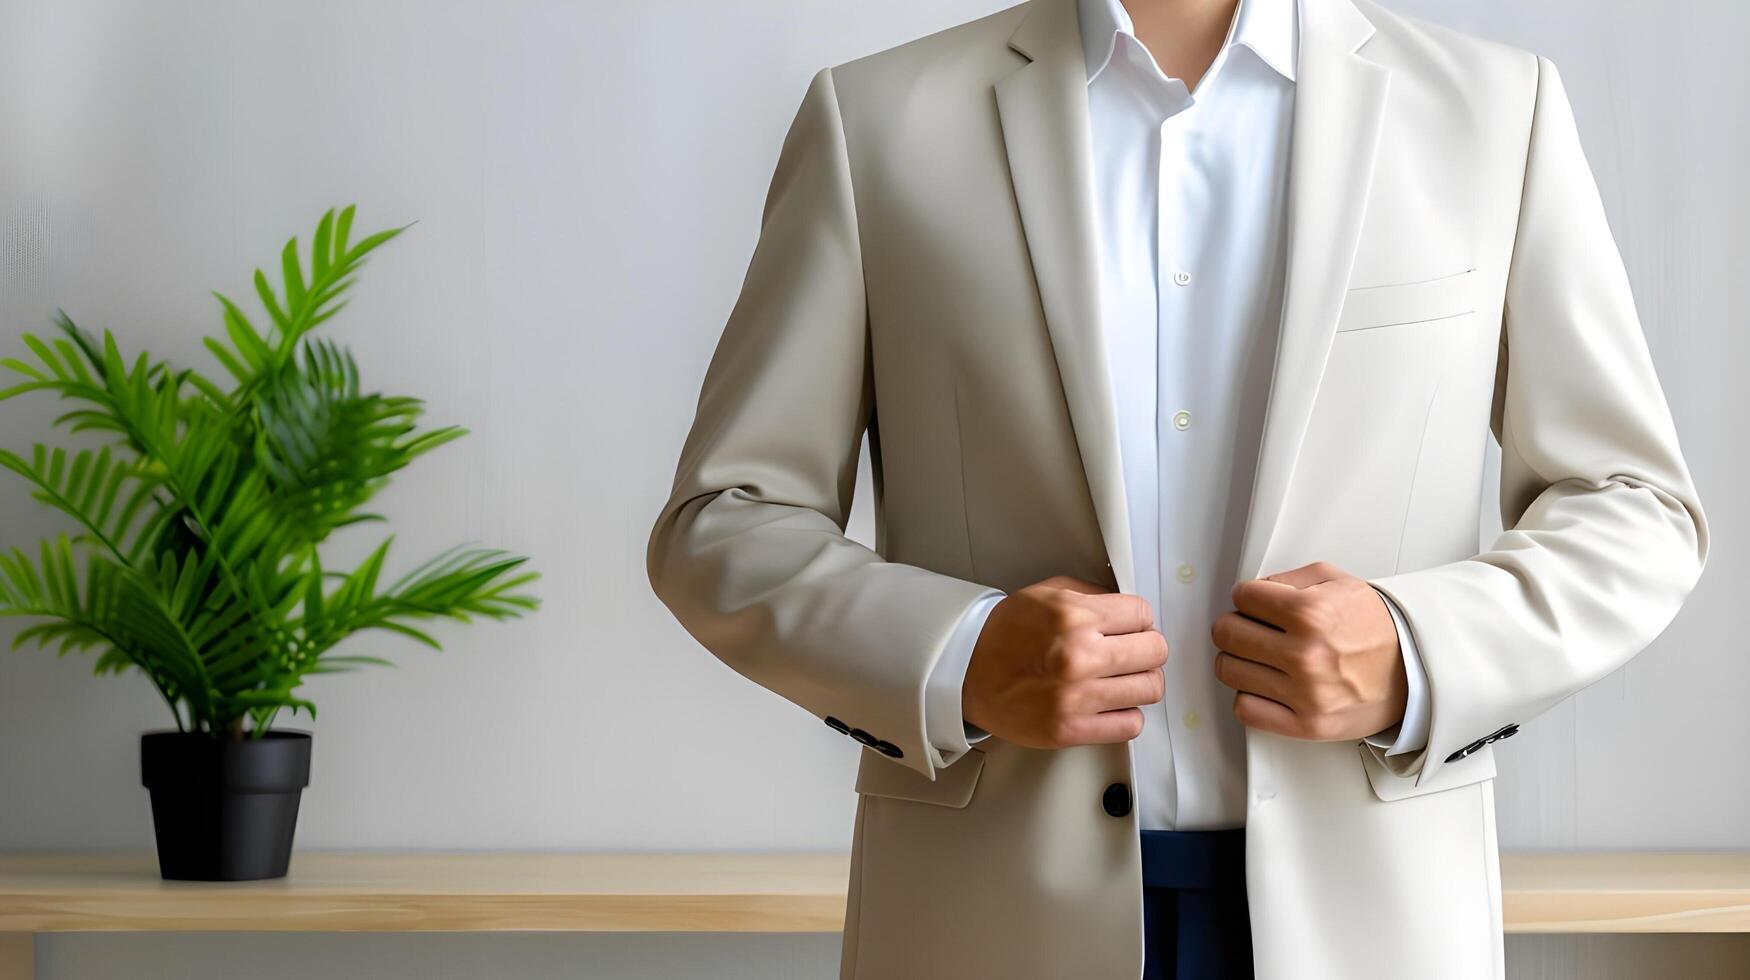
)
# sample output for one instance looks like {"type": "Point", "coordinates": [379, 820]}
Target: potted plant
{"type": "Point", "coordinates": [197, 559]}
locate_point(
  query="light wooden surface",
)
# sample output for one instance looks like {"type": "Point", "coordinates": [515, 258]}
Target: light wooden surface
{"type": "Point", "coordinates": [1626, 892]}
{"type": "Point", "coordinates": [509, 892]}
{"type": "Point", "coordinates": [433, 892]}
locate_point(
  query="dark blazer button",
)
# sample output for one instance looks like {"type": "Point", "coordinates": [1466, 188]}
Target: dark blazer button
{"type": "Point", "coordinates": [889, 750]}
{"type": "Point", "coordinates": [837, 726]}
{"type": "Point", "coordinates": [864, 737]}
{"type": "Point", "coordinates": [1116, 800]}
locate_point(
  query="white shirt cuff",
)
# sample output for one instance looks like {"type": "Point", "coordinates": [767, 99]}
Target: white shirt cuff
{"type": "Point", "coordinates": [1411, 734]}
{"type": "Point", "coordinates": [943, 725]}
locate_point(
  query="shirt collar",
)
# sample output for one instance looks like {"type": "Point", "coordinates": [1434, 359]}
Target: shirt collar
{"type": "Point", "coordinates": [1266, 26]}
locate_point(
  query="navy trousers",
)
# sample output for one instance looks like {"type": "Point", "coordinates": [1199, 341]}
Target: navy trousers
{"type": "Point", "coordinates": [1195, 922]}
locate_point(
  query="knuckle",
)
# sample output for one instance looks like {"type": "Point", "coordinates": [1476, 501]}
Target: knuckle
{"type": "Point", "coordinates": [1055, 661]}
{"type": "Point", "coordinates": [1055, 583]}
{"type": "Point", "coordinates": [1039, 594]}
{"type": "Point", "coordinates": [1078, 652]}
{"type": "Point", "coordinates": [1064, 614]}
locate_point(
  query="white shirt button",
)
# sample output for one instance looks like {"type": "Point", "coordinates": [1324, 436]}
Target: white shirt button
{"type": "Point", "coordinates": [1193, 719]}
{"type": "Point", "coordinates": [1182, 278]}
{"type": "Point", "coordinates": [1187, 573]}
{"type": "Point", "coordinates": [1181, 420]}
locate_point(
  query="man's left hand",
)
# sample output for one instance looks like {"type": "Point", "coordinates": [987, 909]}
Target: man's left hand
{"type": "Point", "coordinates": [1312, 653]}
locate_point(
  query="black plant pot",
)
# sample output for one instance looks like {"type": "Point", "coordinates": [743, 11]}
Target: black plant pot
{"type": "Point", "coordinates": [224, 810]}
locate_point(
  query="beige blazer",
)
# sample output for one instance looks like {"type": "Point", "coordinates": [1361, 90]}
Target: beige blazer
{"type": "Point", "coordinates": [925, 272]}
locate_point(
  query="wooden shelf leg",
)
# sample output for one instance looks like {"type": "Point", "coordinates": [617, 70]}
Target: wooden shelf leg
{"type": "Point", "coordinates": [17, 956]}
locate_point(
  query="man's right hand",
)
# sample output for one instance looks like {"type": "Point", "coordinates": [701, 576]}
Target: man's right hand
{"type": "Point", "coordinates": [1064, 662]}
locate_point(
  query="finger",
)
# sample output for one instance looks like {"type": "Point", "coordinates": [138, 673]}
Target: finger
{"type": "Point", "coordinates": [1251, 677]}
{"type": "Point", "coordinates": [1120, 725]}
{"type": "Point", "coordinates": [1120, 612]}
{"type": "Point", "coordinates": [1276, 603]}
{"type": "Point", "coordinates": [1265, 715]}
{"type": "Point", "coordinates": [1253, 640]}
{"type": "Point", "coordinates": [1309, 575]}
{"type": "Point", "coordinates": [1124, 653]}
{"type": "Point", "coordinates": [1123, 691]}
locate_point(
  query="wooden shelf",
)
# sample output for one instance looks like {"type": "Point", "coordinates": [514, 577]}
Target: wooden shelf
{"type": "Point", "coordinates": [1672, 891]}
{"type": "Point", "coordinates": [433, 892]}
{"type": "Point", "coordinates": [338, 891]}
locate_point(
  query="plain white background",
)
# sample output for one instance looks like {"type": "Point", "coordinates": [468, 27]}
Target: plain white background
{"type": "Point", "coordinates": [587, 179]}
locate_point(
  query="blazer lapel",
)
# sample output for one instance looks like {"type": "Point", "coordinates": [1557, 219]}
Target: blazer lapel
{"type": "Point", "coordinates": [1339, 105]}
{"type": "Point", "coordinates": [1043, 108]}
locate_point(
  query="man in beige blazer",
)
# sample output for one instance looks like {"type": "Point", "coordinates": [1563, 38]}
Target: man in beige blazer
{"type": "Point", "coordinates": [926, 273]}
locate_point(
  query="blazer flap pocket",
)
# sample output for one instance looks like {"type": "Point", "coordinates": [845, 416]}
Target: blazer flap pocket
{"type": "Point", "coordinates": [1389, 784]}
{"type": "Point", "coordinates": [1409, 302]}
{"type": "Point", "coordinates": [881, 776]}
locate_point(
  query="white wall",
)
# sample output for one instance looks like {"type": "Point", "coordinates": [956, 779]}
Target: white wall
{"type": "Point", "coordinates": [588, 179]}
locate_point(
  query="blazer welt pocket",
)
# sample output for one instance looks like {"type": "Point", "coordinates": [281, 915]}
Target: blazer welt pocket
{"type": "Point", "coordinates": [1422, 301]}
{"type": "Point", "coordinates": [953, 785]}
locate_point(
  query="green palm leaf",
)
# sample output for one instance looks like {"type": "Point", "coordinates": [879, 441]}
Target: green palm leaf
{"type": "Point", "coordinates": [201, 513]}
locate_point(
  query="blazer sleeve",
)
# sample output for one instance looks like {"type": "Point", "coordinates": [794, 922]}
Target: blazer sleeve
{"type": "Point", "coordinates": [749, 551]}
{"type": "Point", "coordinates": [1605, 535]}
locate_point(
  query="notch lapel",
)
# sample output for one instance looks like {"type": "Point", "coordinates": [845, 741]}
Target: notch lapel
{"type": "Point", "coordinates": [1043, 109]}
{"type": "Point", "coordinates": [1339, 106]}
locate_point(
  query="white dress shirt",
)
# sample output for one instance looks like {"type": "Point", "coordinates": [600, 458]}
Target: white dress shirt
{"type": "Point", "coordinates": [1189, 193]}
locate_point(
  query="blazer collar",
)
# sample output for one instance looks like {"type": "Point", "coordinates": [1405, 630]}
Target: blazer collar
{"type": "Point", "coordinates": [1265, 26]}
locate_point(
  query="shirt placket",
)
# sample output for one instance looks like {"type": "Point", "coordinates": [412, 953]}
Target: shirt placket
{"type": "Point", "coordinates": [1175, 432]}
{"type": "Point", "coordinates": [1157, 795]}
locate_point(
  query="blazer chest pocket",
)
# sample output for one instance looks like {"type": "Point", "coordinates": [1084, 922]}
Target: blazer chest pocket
{"type": "Point", "coordinates": [1421, 301]}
